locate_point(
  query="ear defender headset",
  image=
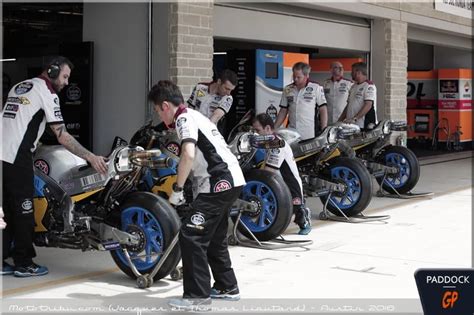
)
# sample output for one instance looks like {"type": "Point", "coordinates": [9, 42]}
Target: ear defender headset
{"type": "Point", "coordinates": [53, 70]}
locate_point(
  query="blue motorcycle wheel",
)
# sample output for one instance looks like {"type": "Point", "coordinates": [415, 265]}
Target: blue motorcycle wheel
{"type": "Point", "coordinates": [139, 221]}
{"type": "Point", "coordinates": [358, 186]}
{"type": "Point", "coordinates": [269, 192]}
{"type": "Point", "coordinates": [156, 223]}
{"type": "Point", "coordinates": [400, 162]}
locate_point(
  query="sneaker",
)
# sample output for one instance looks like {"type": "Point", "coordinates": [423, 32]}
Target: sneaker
{"type": "Point", "coordinates": [194, 305]}
{"type": "Point", "coordinates": [30, 271]}
{"type": "Point", "coordinates": [304, 230]}
{"type": "Point", "coordinates": [7, 269]}
{"type": "Point", "coordinates": [231, 294]}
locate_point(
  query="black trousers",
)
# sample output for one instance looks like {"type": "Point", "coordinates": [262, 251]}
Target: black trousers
{"type": "Point", "coordinates": [19, 215]}
{"type": "Point", "coordinates": [203, 241]}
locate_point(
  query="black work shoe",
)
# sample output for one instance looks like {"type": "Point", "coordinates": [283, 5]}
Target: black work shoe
{"type": "Point", "coordinates": [231, 294]}
{"type": "Point", "coordinates": [30, 271]}
{"type": "Point", "coordinates": [7, 269]}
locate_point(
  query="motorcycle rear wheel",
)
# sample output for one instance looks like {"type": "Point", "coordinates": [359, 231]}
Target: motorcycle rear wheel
{"type": "Point", "coordinates": [358, 193]}
{"type": "Point", "coordinates": [156, 223]}
{"type": "Point", "coordinates": [408, 169]}
{"type": "Point", "coordinates": [270, 192]}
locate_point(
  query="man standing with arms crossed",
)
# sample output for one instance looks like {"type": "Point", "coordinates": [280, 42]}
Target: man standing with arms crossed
{"type": "Point", "coordinates": [336, 90]}
{"type": "Point", "coordinates": [301, 101]}
{"type": "Point", "coordinates": [362, 102]}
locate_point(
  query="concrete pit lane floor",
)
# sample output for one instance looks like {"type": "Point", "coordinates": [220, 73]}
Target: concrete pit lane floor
{"type": "Point", "coordinates": [374, 260]}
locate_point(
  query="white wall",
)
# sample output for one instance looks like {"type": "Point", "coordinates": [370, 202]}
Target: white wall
{"type": "Point", "coordinates": [119, 33]}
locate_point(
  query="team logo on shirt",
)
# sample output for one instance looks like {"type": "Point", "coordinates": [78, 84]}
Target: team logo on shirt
{"type": "Point", "coordinates": [275, 151]}
{"type": "Point", "coordinates": [56, 101]}
{"type": "Point", "coordinates": [200, 93]}
{"type": "Point", "coordinates": [174, 148]}
{"type": "Point", "coordinates": [43, 166]}
{"type": "Point", "coordinates": [309, 89]}
{"type": "Point", "coordinates": [290, 99]}
{"type": "Point", "coordinates": [222, 185]}
{"type": "Point", "coordinates": [180, 121]}
{"type": "Point", "coordinates": [23, 87]}
{"type": "Point", "coordinates": [370, 88]}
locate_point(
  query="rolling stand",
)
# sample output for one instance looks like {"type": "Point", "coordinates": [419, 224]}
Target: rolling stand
{"type": "Point", "coordinates": [236, 238]}
{"type": "Point", "coordinates": [359, 218]}
{"type": "Point", "coordinates": [408, 195]}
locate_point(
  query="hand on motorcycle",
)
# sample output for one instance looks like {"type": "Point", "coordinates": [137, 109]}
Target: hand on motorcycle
{"type": "Point", "coordinates": [177, 198]}
{"type": "Point", "coordinates": [352, 120]}
{"type": "Point", "coordinates": [98, 163]}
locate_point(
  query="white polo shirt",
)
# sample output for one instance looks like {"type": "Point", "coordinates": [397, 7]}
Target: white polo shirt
{"type": "Point", "coordinates": [359, 93]}
{"type": "Point", "coordinates": [206, 103]}
{"type": "Point", "coordinates": [337, 93]}
{"type": "Point", "coordinates": [302, 106]}
{"type": "Point", "coordinates": [30, 105]}
{"type": "Point", "coordinates": [215, 168]}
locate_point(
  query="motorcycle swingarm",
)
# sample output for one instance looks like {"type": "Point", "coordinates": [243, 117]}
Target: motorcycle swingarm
{"type": "Point", "coordinates": [241, 205]}
{"type": "Point", "coordinates": [111, 238]}
{"type": "Point", "coordinates": [378, 169]}
{"type": "Point", "coordinates": [319, 187]}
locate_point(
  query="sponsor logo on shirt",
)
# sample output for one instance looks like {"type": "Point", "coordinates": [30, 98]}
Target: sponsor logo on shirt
{"type": "Point", "coordinates": [309, 89]}
{"type": "Point", "coordinates": [58, 115]}
{"type": "Point", "coordinates": [56, 101]}
{"type": "Point", "coordinates": [200, 93]}
{"type": "Point", "coordinates": [370, 88]}
{"type": "Point", "coordinates": [198, 219]}
{"type": "Point", "coordinates": [180, 121]}
{"type": "Point", "coordinates": [11, 107]}
{"type": "Point", "coordinates": [27, 204]}
{"type": "Point", "coordinates": [23, 87]}
{"type": "Point", "coordinates": [174, 148]}
{"type": "Point", "coordinates": [222, 185]}
{"type": "Point", "coordinates": [19, 100]}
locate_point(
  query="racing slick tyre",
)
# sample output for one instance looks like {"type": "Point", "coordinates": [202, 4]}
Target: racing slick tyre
{"type": "Point", "coordinates": [358, 186]}
{"type": "Point", "coordinates": [272, 196]}
{"type": "Point", "coordinates": [408, 169]}
{"type": "Point", "coordinates": [156, 223]}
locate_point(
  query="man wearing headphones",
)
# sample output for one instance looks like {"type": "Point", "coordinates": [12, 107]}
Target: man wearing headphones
{"type": "Point", "coordinates": [30, 106]}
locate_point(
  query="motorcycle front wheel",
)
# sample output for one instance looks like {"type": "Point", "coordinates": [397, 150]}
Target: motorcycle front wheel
{"type": "Point", "coordinates": [358, 186]}
{"type": "Point", "coordinates": [408, 169]}
{"type": "Point", "coordinates": [156, 223]}
{"type": "Point", "coordinates": [272, 196]}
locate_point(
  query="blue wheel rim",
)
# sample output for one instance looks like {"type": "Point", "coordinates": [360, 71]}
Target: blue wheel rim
{"type": "Point", "coordinates": [353, 190]}
{"type": "Point", "coordinates": [151, 229]}
{"type": "Point", "coordinates": [401, 163]}
{"type": "Point", "coordinates": [268, 206]}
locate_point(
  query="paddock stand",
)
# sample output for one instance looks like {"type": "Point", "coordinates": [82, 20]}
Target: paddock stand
{"type": "Point", "coordinates": [408, 195]}
{"type": "Point", "coordinates": [146, 280]}
{"type": "Point", "coordinates": [359, 218]}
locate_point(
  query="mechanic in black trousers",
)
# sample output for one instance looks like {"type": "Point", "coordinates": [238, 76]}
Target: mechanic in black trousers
{"type": "Point", "coordinates": [217, 183]}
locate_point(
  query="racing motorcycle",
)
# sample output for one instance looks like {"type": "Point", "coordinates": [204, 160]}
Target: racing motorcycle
{"type": "Point", "coordinates": [395, 167]}
{"type": "Point", "coordinates": [265, 201]}
{"type": "Point", "coordinates": [78, 208]}
{"type": "Point", "coordinates": [342, 183]}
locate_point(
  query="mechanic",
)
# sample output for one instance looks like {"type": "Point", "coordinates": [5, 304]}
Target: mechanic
{"type": "Point", "coordinates": [303, 101]}
{"type": "Point", "coordinates": [362, 101]}
{"type": "Point", "coordinates": [30, 106]}
{"type": "Point", "coordinates": [336, 90]}
{"type": "Point", "coordinates": [213, 99]}
{"type": "Point", "coordinates": [282, 160]}
{"type": "Point", "coordinates": [217, 183]}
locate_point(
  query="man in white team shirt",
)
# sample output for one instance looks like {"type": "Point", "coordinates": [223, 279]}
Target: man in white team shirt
{"type": "Point", "coordinates": [302, 101]}
{"type": "Point", "coordinates": [213, 99]}
{"type": "Point", "coordinates": [336, 90]}
{"type": "Point", "coordinates": [217, 183]}
{"type": "Point", "coordinates": [362, 102]}
{"type": "Point", "coordinates": [30, 106]}
{"type": "Point", "coordinates": [282, 160]}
